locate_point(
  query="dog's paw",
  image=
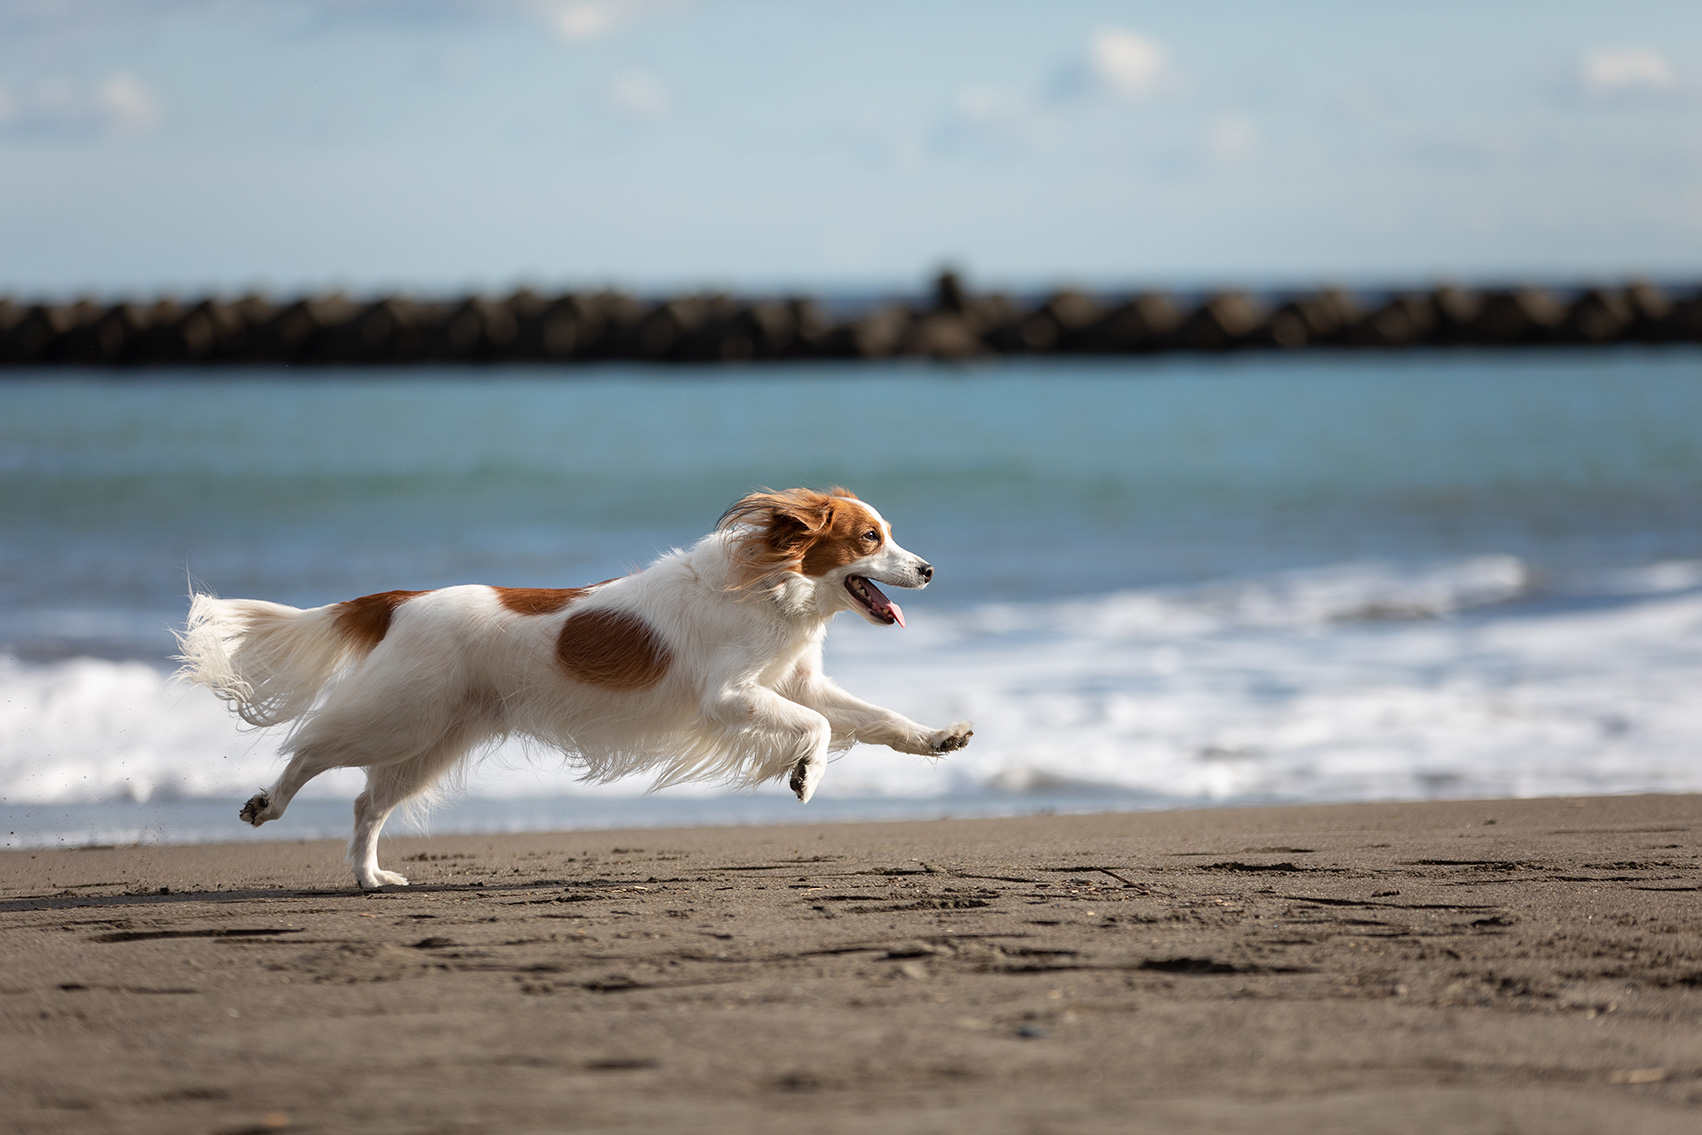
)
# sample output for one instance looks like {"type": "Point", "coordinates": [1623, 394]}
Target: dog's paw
{"type": "Point", "coordinates": [258, 809]}
{"type": "Point", "coordinates": [382, 879]}
{"type": "Point", "coordinates": [806, 775]}
{"type": "Point", "coordinates": [951, 738]}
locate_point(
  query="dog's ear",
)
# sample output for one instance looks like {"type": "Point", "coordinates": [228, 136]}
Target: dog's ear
{"type": "Point", "coordinates": [786, 531]}
{"type": "Point", "coordinates": [778, 528]}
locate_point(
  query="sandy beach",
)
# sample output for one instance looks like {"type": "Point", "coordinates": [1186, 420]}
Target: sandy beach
{"type": "Point", "coordinates": [1477, 966]}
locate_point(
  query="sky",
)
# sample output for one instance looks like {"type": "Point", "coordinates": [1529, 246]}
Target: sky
{"type": "Point", "coordinates": [443, 145]}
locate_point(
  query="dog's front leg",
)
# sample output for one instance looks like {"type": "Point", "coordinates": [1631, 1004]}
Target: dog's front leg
{"type": "Point", "coordinates": [789, 738]}
{"type": "Point", "coordinates": [854, 719]}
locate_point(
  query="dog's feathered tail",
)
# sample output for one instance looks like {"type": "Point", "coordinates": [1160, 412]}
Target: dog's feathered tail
{"type": "Point", "coordinates": [269, 661]}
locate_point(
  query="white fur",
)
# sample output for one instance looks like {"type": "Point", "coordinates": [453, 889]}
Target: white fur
{"type": "Point", "coordinates": [744, 698]}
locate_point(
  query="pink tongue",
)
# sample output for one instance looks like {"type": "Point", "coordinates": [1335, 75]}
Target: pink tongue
{"type": "Point", "coordinates": [882, 604]}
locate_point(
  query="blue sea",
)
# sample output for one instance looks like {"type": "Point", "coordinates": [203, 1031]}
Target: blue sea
{"type": "Point", "coordinates": [1161, 582]}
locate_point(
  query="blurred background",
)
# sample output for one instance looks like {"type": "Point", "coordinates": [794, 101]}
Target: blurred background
{"type": "Point", "coordinates": [1165, 580]}
{"type": "Point", "coordinates": [442, 144]}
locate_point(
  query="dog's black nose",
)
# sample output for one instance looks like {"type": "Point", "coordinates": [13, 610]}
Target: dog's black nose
{"type": "Point", "coordinates": [926, 571]}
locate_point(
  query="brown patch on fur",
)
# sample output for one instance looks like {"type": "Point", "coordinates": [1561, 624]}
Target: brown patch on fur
{"type": "Point", "coordinates": [798, 530]}
{"type": "Point", "coordinates": [613, 649]}
{"type": "Point", "coordinates": [843, 541]}
{"type": "Point", "coordinates": [364, 622]}
{"type": "Point", "coordinates": [539, 600]}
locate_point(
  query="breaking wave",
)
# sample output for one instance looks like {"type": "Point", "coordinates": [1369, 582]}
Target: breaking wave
{"type": "Point", "coordinates": [1356, 681]}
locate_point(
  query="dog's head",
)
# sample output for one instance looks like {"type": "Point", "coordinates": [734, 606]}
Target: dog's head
{"type": "Point", "coordinates": [839, 545]}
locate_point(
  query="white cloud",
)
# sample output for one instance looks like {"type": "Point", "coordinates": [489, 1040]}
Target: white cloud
{"type": "Point", "coordinates": [1116, 62]}
{"type": "Point", "coordinates": [638, 94]}
{"type": "Point", "coordinates": [127, 104]}
{"type": "Point", "coordinates": [67, 108]}
{"type": "Point", "coordinates": [580, 20]}
{"type": "Point", "coordinates": [1128, 63]}
{"type": "Point", "coordinates": [1625, 71]}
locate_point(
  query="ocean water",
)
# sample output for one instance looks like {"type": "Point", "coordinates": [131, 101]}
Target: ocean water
{"type": "Point", "coordinates": [1163, 582]}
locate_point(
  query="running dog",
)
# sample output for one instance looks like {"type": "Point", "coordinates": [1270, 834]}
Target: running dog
{"type": "Point", "coordinates": [705, 665]}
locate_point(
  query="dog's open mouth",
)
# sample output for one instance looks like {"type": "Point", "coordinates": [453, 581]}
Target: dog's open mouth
{"type": "Point", "coordinates": [869, 597]}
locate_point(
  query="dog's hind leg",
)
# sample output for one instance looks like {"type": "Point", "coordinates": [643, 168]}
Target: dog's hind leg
{"type": "Point", "coordinates": [331, 742]}
{"type": "Point", "coordinates": [387, 788]}
{"type": "Point", "coordinates": [309, 762]}
{"type": "Point", "coordinates": [378, 716]}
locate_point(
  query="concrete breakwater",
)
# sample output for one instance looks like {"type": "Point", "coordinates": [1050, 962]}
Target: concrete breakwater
{"type": "Point", "coordinates": [950, 323]}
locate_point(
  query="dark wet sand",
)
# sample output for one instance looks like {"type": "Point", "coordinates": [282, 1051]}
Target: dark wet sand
{"type": "Point", "coordinates": [1496, 967]}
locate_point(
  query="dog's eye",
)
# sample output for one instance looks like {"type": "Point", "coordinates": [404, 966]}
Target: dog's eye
{"type": "Point", "coordinates": [871, 534]}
